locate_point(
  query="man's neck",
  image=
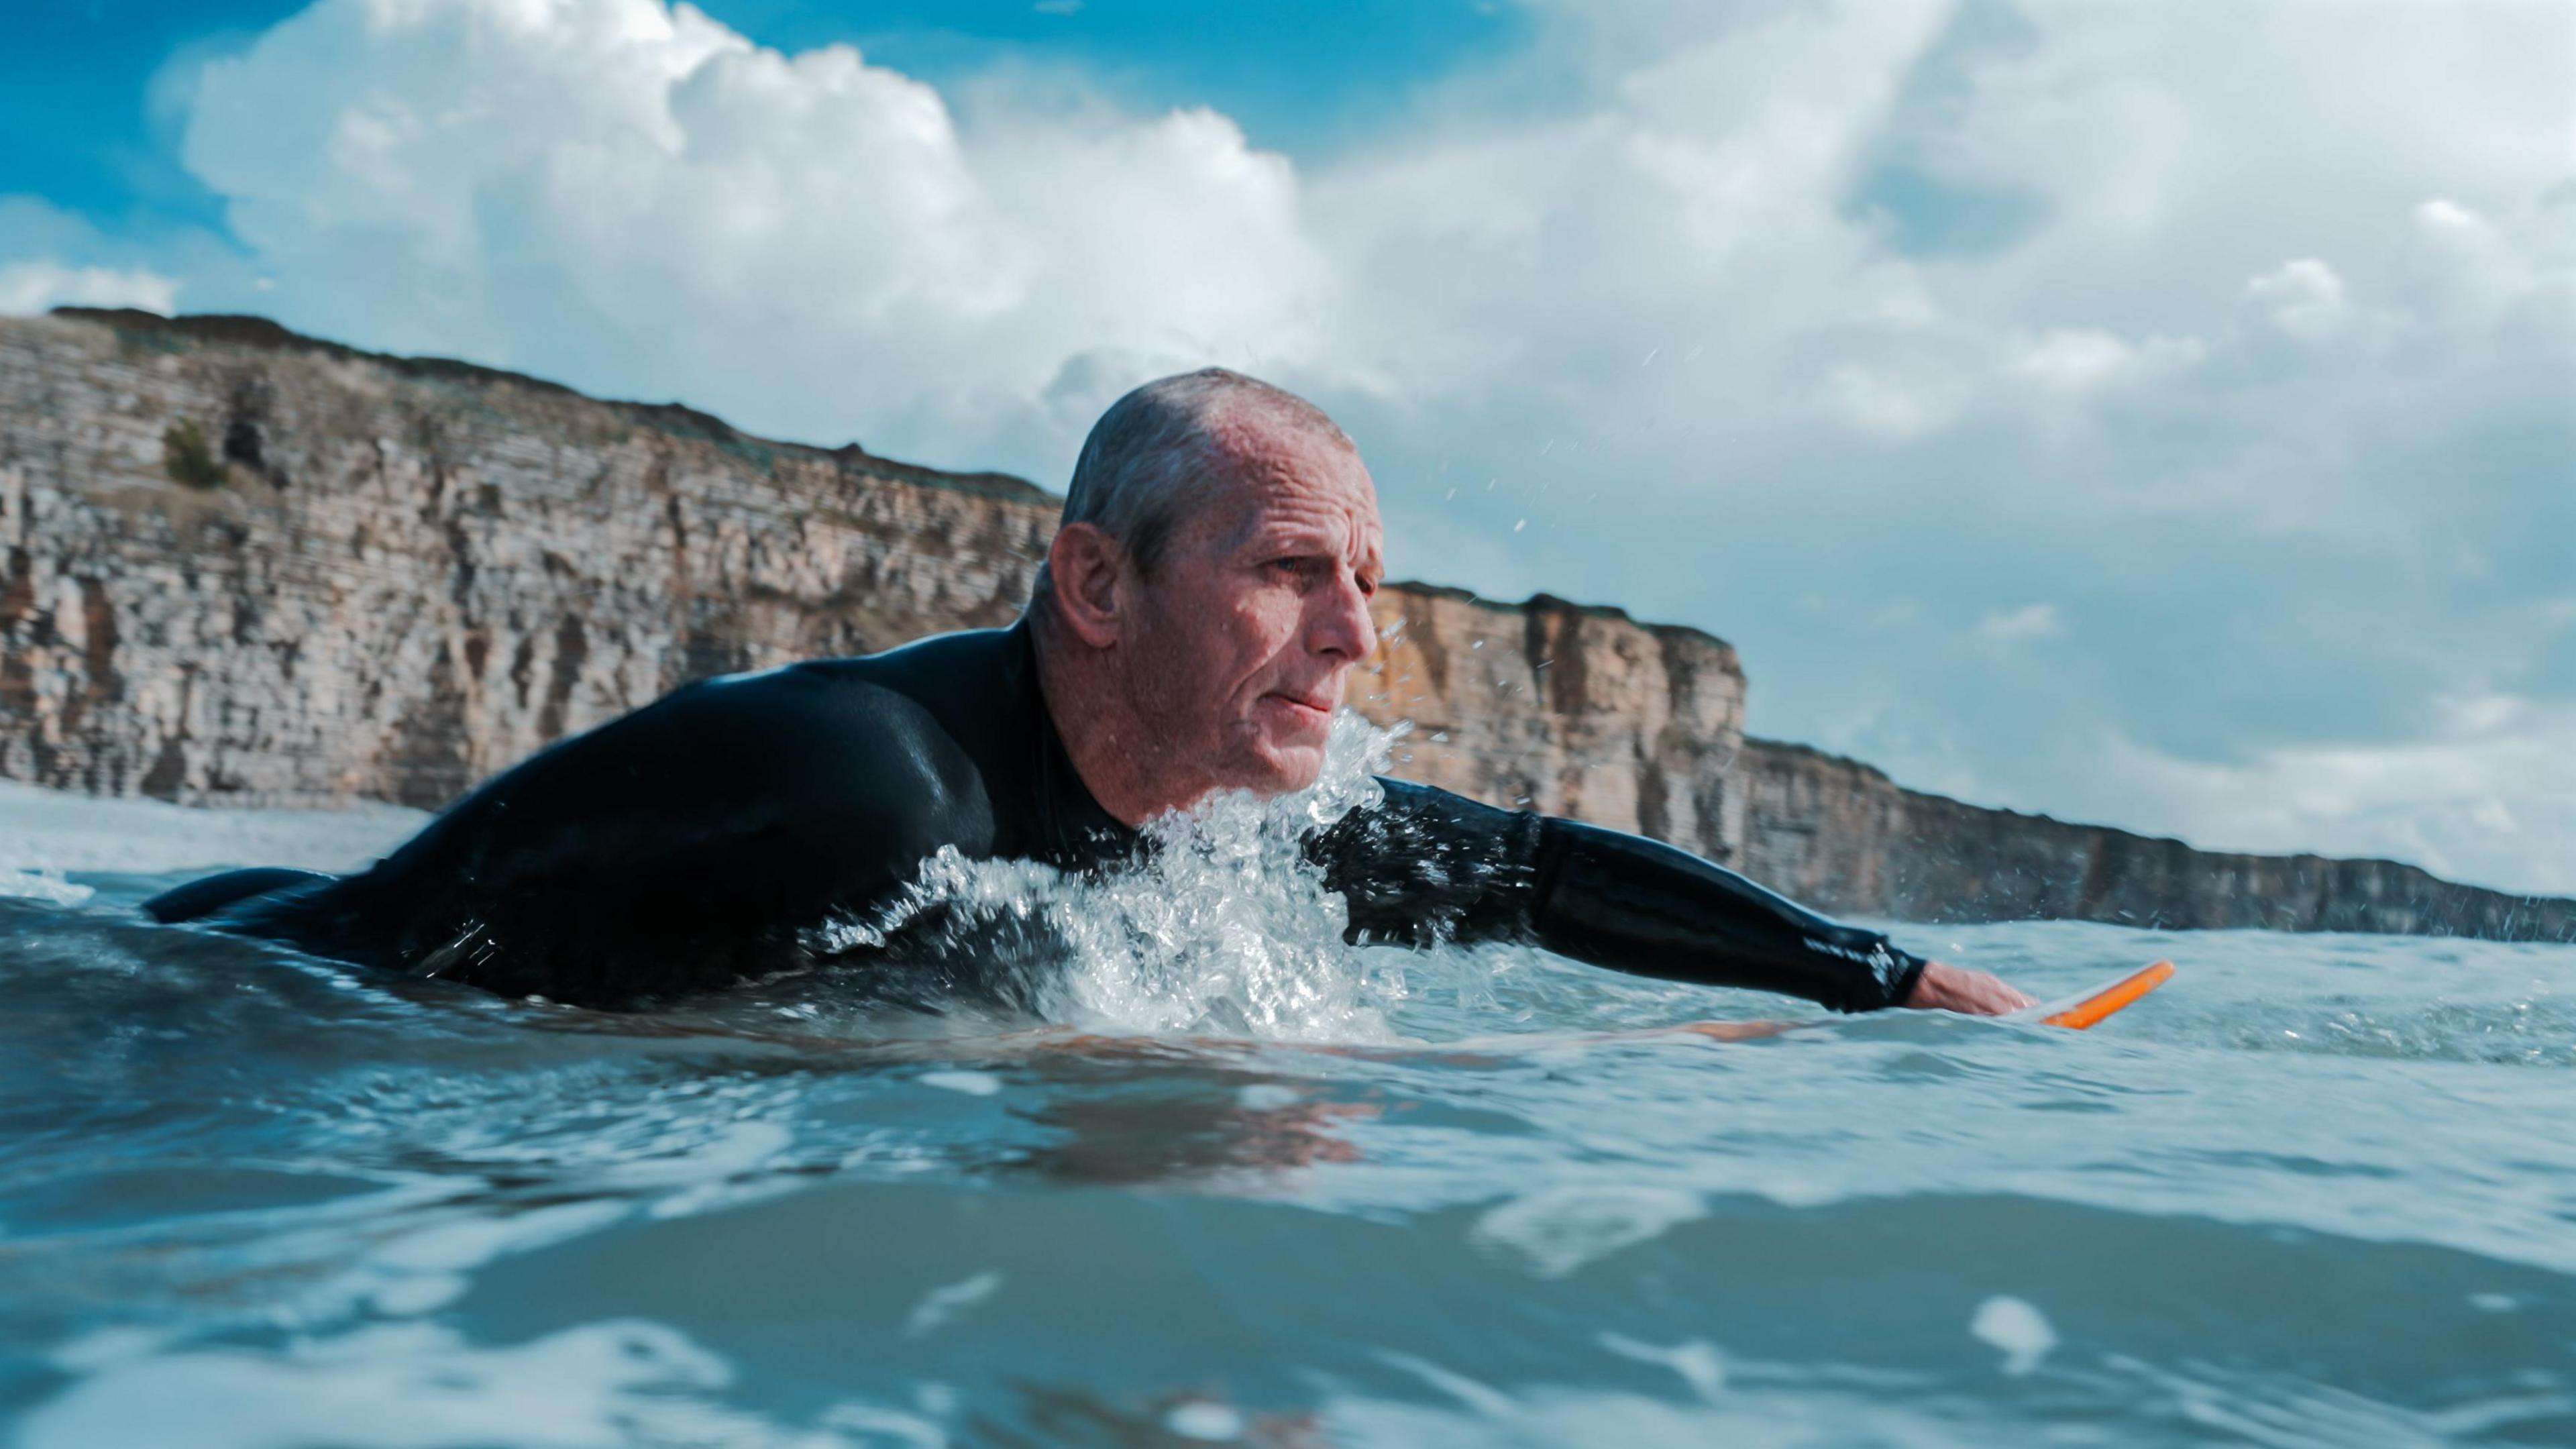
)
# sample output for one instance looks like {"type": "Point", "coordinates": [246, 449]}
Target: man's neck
{"type": "Point", "coordinates": [1108, 741]}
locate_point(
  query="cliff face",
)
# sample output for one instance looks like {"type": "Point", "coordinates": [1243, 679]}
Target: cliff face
{"type": "Point", "coordinates": [239, 565]}
{"type": "Point", "coordinates": [1843, 837]}
{"type": "Point", "coordinates": [242, 566]}
{"type": "Point", "coordinates": [1566, 709]}
{"type": "Point", "coordinates": [245, 566]}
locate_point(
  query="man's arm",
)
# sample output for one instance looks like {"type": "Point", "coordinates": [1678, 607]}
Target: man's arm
{"type": "Point", "coordinates": [1428, 865]}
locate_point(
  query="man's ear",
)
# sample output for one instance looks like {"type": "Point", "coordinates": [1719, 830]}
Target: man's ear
{"type": "Point", "coordinates": [1087, 566]}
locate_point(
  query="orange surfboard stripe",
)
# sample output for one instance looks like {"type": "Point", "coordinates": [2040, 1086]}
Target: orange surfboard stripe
{"type": "Point", "coordinates": [2101, 1004]}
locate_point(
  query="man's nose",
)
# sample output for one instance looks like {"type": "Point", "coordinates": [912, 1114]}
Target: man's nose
{"type": "Point", "coordinates": [1342, 627]}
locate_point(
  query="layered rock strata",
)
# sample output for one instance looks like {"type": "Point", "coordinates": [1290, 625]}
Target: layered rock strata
{"type": "Point", "coordinates": [244, 566]}
{"type": "Point", "coordinates": [238, 565]}
{"type": "Point", "coordinates": [1842, 836]}
{"type": "Point", "coordinates": [1564, 708]}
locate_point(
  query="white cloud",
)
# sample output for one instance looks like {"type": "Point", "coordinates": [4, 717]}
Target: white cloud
{"type": "Point", "coordinates": [642, 198]}
{"type": "Point", "coordinates": [1892, 407]}
{"type": "Point", "coordinates": [2079, 360]}
{"type": "Point", "coordinates": [41, 285]}
{"type": "Point", "coordinates": [2304, 298]}
{"type": "Point", "coordinates": [2489, 795]}
{"type": "Point", "coordinates": [2243, 362]}
{"type": "Point", "coordinates": [2483, 273]}
{"type": "Point", "coordinates": [2028, 623]}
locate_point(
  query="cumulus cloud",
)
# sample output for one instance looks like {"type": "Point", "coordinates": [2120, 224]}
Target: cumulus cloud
{"type": "Point", "coordinates": [638, 197]}
{"type": "Point", "coordinates": [1864, 312]}
{"type": "Point", "coordinates": [40, 285]}
{"type": "Point", "coordinates": [2302, 297]}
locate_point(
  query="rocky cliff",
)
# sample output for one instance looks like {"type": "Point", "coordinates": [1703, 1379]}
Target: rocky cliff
{"type": "Point", "coordinates": [242, 565]}
{"type": "Point", "coordinates": [1564, 708]}
{"type": "Point", "coordinates": [1844, 837]}
{"type": "Point", "coordinates": [246, 566]}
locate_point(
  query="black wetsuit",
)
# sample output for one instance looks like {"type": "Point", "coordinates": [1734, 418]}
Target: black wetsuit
{"type": "Point", "coordinates": [698, 840]}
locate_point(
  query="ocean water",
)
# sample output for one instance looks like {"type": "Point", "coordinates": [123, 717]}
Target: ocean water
{"type": "Point", "coordinates": [1226, 1181]}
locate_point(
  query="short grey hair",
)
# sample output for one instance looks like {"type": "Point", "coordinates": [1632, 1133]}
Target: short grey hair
{"type": "Point", "coordinates": [1150, 458]}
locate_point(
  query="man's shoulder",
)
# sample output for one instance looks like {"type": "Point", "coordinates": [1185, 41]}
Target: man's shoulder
{"type": "Point", "coordinates": [831, 753]}
{"type": "Point", "coordinates": [971, 671]}
{"type": "Point", "coordinates": [857, 721]}
{"type": "Point", "coordinates": [827, 734]}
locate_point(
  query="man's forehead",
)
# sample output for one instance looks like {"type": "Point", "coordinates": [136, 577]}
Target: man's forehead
{"type": "Point", "coordinates": [1343, 511]}
{"type": "Point", "coordinates": [1296, 483]}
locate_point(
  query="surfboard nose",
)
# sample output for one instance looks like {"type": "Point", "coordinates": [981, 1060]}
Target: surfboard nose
{"type": "Point", "coordinates": [2091, 1010]}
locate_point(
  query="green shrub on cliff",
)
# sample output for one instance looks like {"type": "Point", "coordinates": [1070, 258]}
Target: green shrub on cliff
{"type": "Point", "coordinates": [187, 459]}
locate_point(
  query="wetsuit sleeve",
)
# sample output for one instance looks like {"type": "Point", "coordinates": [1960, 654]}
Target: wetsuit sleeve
{"type": "Point", "coordinates": [1429, 866]}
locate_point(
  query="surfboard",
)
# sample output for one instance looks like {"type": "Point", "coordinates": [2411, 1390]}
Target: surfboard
{"type": "Point", "coordinates": [2088, 1009]}
{"type": "Point", "coordinates": [2079, 1012]}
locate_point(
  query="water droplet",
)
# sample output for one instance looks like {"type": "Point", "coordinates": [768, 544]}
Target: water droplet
{"type": "Point", "coordinates": [2017, 1328]}
{"type": "Point", "coordinates": [940, 1306]}
{"type": "Point", "coordinates": [1203, 1421]}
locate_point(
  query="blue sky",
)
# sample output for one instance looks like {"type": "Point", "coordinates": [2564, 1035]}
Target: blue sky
{"type": "Point", "coordinates": [2155, 413]}
{"type": "Point", "coordinates": [77, 111]}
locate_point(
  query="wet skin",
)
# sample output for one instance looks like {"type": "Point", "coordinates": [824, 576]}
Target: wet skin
{"type": "Point", "coordinates": [1228, 652]}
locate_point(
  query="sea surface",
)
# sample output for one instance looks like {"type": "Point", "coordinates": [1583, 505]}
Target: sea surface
{"type": "Point", "coordinates": [1226, 1181]}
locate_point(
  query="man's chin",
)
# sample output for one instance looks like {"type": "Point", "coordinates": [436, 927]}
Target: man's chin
{"type": "Point", "coordinates": [1282, 767]}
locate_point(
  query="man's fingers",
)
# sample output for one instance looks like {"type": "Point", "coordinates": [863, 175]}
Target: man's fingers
{"type": "Point", "coordinates": [1974, 993]}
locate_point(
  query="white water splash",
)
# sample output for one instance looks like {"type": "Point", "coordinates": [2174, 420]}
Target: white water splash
{"type": "Point", "coordinates": [1556, 1230]}
{"type": "Point", "coordinates": [42, 885]}
{"type": "Point", "coordinates": [1221, 927]}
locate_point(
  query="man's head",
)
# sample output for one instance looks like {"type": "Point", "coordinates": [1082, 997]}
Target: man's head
{"type": "Point", "coordinates": [1208, 591]}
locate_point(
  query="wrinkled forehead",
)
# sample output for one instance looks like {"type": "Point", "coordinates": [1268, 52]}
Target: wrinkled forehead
{"type": "Point", "coordinates": [1275, 482]}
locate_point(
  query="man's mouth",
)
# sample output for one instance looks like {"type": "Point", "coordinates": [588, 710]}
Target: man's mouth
{"type": "Point", "coordinates": [1301, 708]}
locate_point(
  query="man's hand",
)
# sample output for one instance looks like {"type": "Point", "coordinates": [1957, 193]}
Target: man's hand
{"type": "Point", "coordinates": [1947, 988]}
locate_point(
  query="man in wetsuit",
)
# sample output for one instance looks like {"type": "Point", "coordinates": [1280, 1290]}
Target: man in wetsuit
{"type": "Point", "coordinates": [1192, 631]}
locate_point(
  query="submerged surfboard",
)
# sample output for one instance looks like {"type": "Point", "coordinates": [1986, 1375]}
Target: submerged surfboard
{"type": "Point", "coordinates": [2078, 1012]}
{"type": "Point", "coordinates": [2091, 1008]}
